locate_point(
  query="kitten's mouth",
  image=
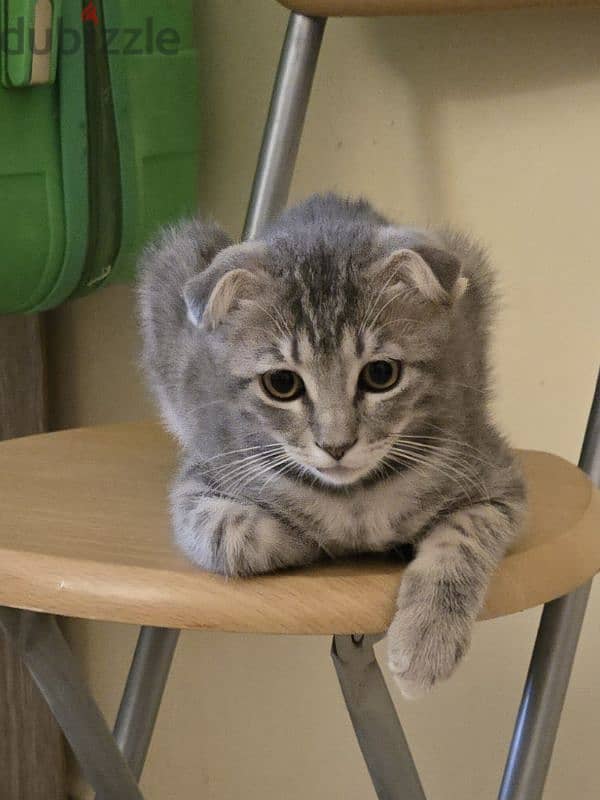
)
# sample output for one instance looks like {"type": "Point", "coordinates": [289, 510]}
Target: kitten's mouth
{"type": "Point", "coordinates": [336, 475]}
{"type": "Point", "coordinates": [340, 475]}
{"type": "Point", "coordinates": [337, 470]}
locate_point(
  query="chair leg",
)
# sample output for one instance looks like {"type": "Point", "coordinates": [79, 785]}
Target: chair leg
{"type": "Point", "coordinates": [376, 724]}
{"type": "Point", "coordinates": [283, 128]}
{"type": "Point", "coordinates": [382, 740]}
{"type": "Point", "coordinates": [46, 654]}
{"type": "Point", "coordinates": [143, 695]}
{"type": "Point", "coordinates": [551, 663]}
{"type": "Point", "coordinates": [543, 697]}
{"type": "Point", "coordinates": [378, 729]}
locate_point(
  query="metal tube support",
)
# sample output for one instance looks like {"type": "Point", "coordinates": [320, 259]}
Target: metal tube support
{"type": "Point", "coordinates": [143, 695]}
{"type": "Point", "coordinates": [281, 137]}
{"type": "Point", "coordinates": [376, 724]}
{"type": "Point", "coordinates": [45, 652]}
{"type": "Point", "coordinates": [550, 668]}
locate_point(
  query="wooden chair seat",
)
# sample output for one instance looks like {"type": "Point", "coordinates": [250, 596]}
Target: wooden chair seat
{"type": "Point", "coordinates": [84, 532]}
{"type": "Point", "coordinates": [380, 8]}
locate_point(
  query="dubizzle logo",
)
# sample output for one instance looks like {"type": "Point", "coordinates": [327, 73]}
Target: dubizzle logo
{"type": "Point", "coordinates": [90, 14]}
{"type": "Point", "coordinates": [143, 39]}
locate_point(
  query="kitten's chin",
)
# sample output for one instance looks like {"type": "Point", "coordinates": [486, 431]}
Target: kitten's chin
{"type": "Point", "coordinates": [339, 475]}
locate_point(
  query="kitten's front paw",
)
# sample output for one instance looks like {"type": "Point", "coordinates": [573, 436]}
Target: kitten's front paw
{"type": "Point", "coordinates": [424, 648]}
{"type": "Point", "coordinates": [228, 537]}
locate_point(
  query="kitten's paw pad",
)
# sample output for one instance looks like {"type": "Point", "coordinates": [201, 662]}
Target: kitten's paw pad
{"type": "Point", "coordinates": [423, 651]}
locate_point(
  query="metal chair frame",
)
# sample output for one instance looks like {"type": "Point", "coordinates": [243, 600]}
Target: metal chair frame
{"type": "Point", "coordinates": [112, 762]}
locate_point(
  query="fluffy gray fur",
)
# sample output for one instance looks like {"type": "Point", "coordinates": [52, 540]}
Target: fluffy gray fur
{"type": "Point", "coordinates": [331, 286]}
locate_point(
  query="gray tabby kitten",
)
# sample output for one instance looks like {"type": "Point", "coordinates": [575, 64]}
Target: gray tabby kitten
{"type": "Point", "coordinates": [329, 386]}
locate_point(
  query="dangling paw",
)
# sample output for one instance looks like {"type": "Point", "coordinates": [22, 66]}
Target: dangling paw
{"type": "Point", "coordinates": [424, 648]}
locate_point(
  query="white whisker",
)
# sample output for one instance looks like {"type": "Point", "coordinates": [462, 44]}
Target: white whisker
{"type": "Point", "coordinates": [247, 460]}
{"type": "Point", "coordinates": [264, 471]}
{"type": "Point", "coordinates": [373, 305]}
{"type": "Point", "coordinates": [419, 471]}
{"type": "Point", "coordinates": [401, 293]}
{"type": "Point", "coordinates": [240, 472]}
{"type": "Point", "coordinates": [397, 319]}
{"type": "Point", "coordinates": [253, 474]}
{"type": "Point", "coordinates": [285, 331]}
{"type": "Point", "coordinates": [452, 474]}
{"type": "Point", "coordinates": [452, 461]}
{"type": "Point", "coordinates": [280, 472]}
{"type": "Point", "coordinates": [231, 472]}
{"type": "Point", "coordinates": [443, 439]}
{"type": "Point", "coordinates": [239, 450]}
{"type": "Point", "coordinates": [456, 448]}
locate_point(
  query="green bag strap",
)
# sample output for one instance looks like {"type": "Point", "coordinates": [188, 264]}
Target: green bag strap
{"type": "Point", "coordinates": [142, 127]}
{"type": "Point", "coordinates": [43, 164]}
{"type": "Point", "coordinates": [105, 195]}
{"type": "Point", "coordinates": [73, 127]}
{"type": "Point", "coordinates": [31, 31]}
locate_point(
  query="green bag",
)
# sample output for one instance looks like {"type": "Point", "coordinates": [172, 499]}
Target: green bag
{"type": "Point", "coordinates": [98, 140]}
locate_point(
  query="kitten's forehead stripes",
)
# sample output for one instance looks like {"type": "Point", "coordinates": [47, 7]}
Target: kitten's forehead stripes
{"type": "Point", "coordinates": [274, 352]}
{"type": "Point", "coordinates": [294, 350]}
{"type": "Point", "coordinates": [324, 291]}
{"type": "Point", "coordinates": [238, 384]}
{"type": "Point", "coordinates": [360, 345]}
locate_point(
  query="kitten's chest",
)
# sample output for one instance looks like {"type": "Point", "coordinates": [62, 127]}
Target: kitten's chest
{"type": "Point", "coordinates": [374, 520]}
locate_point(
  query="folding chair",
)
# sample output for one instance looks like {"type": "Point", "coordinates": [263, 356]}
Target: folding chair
{"type": "Point", "coordinates": [84, 532]}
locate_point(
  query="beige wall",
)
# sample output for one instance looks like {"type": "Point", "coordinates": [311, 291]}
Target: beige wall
{"type": "Point", "coordinates": [491, 122]}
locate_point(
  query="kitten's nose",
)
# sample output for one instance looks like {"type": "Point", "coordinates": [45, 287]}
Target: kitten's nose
{"type": "Point", "coordinates": [337, 451]}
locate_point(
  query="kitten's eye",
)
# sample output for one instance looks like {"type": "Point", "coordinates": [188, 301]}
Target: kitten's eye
{"type": "Point", "coordinates": [282, 384]}
{"type": "Point", "coordinates": [379, 376]}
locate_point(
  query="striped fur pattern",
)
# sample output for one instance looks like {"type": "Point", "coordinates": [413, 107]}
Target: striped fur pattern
{"type": "Point", "coordinates": [331, 287]}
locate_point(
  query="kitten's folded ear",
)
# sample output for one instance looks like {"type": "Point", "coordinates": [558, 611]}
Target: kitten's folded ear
{"type": "Point", "coordinates": [433, 271]}
{"type": "Point", "coordinates": [234, 276]}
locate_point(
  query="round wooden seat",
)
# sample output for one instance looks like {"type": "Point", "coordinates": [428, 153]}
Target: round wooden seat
{"type": "Point", "coordinates": [84, 532]}
{"type": "Point", "coordinates": [380, 8]}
